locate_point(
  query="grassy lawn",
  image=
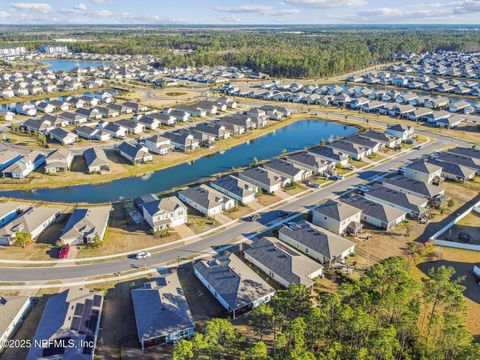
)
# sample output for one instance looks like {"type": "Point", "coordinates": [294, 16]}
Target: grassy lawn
{"type": "Point", "coordinates": [358, 163]}
{"type": "Point", "coordinates": [238, 211]}
{"type": "Point", "coordinates": [29, 252]}
{"type": "Point", "coordinates": [119, 240]}
{"type": "Point", "coordinates": [267, 199]}
{"type": "Point", "coordinates": [295, 188]}
{"type": "Point", "coordinates": [199, 223]}
{"type": "Point", "coordinates": [377, 157]}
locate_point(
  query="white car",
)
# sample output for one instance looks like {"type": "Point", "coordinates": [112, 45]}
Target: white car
{"type": "Point", "coordinates": [142, 255]}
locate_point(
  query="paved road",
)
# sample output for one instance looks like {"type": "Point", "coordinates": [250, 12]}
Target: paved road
{"type": "Point", "coordinates": [209, 243]}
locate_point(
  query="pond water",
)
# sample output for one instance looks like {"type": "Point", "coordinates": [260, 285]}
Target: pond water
{"type": "Point", "coordinates": [295, 136]}
{"type": "Point", "coordinates": [68, 65]}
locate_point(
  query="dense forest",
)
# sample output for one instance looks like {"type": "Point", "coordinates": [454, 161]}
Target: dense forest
{"type": "Point", "coordinates": [303, 54]}
{"type": "Point", "coordinates": [386, 314]}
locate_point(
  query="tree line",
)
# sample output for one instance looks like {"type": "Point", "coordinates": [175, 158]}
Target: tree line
{"type": "Point", "coordinates": [386, 314]}
{"type": "Point", "coordinates": [308, 54]}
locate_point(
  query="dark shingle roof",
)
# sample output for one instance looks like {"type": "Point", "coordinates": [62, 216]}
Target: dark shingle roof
{"type": "Point", "coordinates": [317, 239]}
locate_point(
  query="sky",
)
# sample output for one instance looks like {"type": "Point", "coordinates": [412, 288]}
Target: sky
{"type": "Point", "coordinates": [240, 12]}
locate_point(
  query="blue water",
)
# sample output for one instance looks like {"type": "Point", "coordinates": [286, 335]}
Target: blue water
{"type": "Point", "coordinates": [67, 65]}
{"type": "Point", "coordinates": [295, 136]}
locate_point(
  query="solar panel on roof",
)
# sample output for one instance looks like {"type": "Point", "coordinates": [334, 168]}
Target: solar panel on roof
{"type": "Point", "coordinates": [78, 309]}
{"type": "Point", "coordinates": [87, 311]}
{"type": "Point", "coordinates": [76, 321]}
{"type": "Point", "coordinates": [97, 300]}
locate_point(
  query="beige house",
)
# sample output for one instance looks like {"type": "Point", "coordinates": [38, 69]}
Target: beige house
{"type": "Point", "coordinates": [318, 243]}
{"type": "Point", "coordinates": [424, 171]}
{"type": "Point", "coordinates": [337, 217]}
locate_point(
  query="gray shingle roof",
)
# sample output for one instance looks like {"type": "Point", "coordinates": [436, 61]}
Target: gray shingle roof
{"type": "Point", "coordinates": [283, 260]}
{"type": "Point", "coordinates": [233, 280]}
{"type": "Point", "coordinates": [328, 244]}
{"type": "Point", "coordinates": [161, 308]}
{"type": "Point", "coordinates": [336, 210]}
{"type": "Point", "coordinates": [263, 176]}
{"type": "Point", "coordinates": [375, 210]}
{"type": "Point", "coordinates": [205, 196]}
{"type": "Point", "coordinates": [423, 167]}
{"type": "Point", "coordinates": [283, 167]}
{"type": "Point", "coordinates": [418, 187]}
{"type": "Point", "coordinates": [235, 186]}
{"type": "Point", "coordinates": [407, 201]}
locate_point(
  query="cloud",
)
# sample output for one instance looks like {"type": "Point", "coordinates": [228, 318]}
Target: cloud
{"type": "Point", "coordinates": [326, 3]}
{"type": "Point", "coordinates": [428, 12]}
{"type": "Point", "coordinates": [80, 7]}
{"type": "Point", "coordinates": [4, 15]}
{"type": "Point", "coordinates": [257, 9]}
{"type": "Point", "coordinates": [100, 1]}
{"type": "Point", "coordinates": [102, 13]}
{"type": "Point", "coordinates": [35, 7]}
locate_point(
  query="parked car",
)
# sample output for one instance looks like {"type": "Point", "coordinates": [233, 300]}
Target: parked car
{"type": "Point", "coordinates": [350, 167]}
{"type": "Point", "coordinates": [363, 188]}
{"type": "Point", "coordinates": [464, 237]}
{"type": "Point", "coordinates": [64, 251]}
{"type": "Point", "coordinates": [142, 255]}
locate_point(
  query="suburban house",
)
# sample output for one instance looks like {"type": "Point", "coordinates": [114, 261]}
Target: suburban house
{"type": "Point", "coordinates": [136, 154]}
{"type": "Point", "coordinates": [115, 130]}
{"type": "Point", "coordinates": [414, 187]}
{"type": "Point", "coordinates": [63, 136]}
{"type": "Point", "coordinates": [73, 118]}
{"type": "Point", "coordinates": [264, 179]}
{"type": "Point", "coordinates": [162, 314]}
{"type": "Point", "coordinates": [149, 122]}
{"type": "Point", "coordinates": [454, 171]}
{"type": "Point", "coordinates": [465, 152]}
{"type": "Point", "coordinates": [8, 212]}
{"type": "Point", "coordinates": [90, 113]}
{"type": "Point", "coordinates": [355, 151]}
{"type": "Point", "coordinates": [236, 188]}
{"type": "Point", "coordinates": [14, 310]}
{"type": "Point", "coordinates": [377, 214]}
{"type": "Point", "coordinates": [214, 129]}
{"type": "Point", "coordinates": [206, 200]}
{"type": "Point", "coordinates": [135, 106]}
{"type": "Point", "coordinates": [32, 222]}
{"type": "Point", "coordinates": [288, 170]}
{"type": "Point", "coordinates": [86, 225]}
{"type": "Point", "coordinates": [23, 167]}
{"type": "Point", "coordinates": [423, 171]}
{"type": "Point", "coordinates": [309, 162]}
{"type": "Point", "coordinates": [164, 213]}
{"type": "Point", "coordinates": [158, 144]}
{"type": "Point", "coordinates": [133, 127]}
{"type": "Point", "coordinates": [337, 217]}
{"type": "Point", "coordinates": [182, 141]}
{"type": "Point", "coordinates": [96, 160]}
{"type": "Point", "coordinates": [58, 160]}
{"type": "Point", "coordinates": [92, 133]}
{"type": "Point", "coordinates": [415, 206]}
{"type": "Point", "coordinates": [330, 155]}
{"type": "Point", "coordinates": [8, 158]}
{"type": "Point", "coordinates": [368, 143]}
{"type": "Point", "coordinates": [403, 132]}
{"type": "Point", "coordinates": [42, 126]}
{"type": "Point", "coordinates": [467, 161]}
{"type": "Point", "coordinates": [235, 286]}
{"type": "Point", "coordinates": [384, 139]}
{"type": "Point", "coordinates": [74, 316]}
{"type": "Point", "coordinates": [316, 242]}
{"type": "Point", "coordinates": [282, 263]}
